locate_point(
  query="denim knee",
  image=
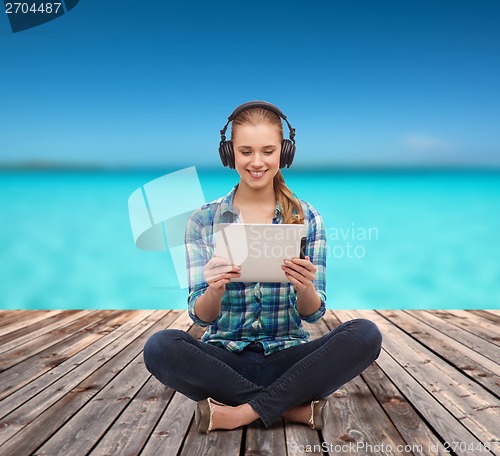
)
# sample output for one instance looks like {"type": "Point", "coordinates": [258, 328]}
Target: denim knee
{"type": "Point", "coordinates": [371, 336]}
{"type": "Point", "coordinates": [157, 348]}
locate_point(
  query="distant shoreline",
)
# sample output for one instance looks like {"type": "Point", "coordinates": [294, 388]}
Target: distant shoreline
{"type": "Point", "coordinates": [331, 168]}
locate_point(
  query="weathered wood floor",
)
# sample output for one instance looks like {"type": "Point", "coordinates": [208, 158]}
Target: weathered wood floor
{"type": "Point", "coordinates": [74, 383]}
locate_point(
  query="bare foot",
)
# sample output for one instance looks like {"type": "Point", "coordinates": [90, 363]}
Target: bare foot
{"type": "Point", "coordinates": [227, 417]}
{"type": "Point", "coordinates": [299, 414]}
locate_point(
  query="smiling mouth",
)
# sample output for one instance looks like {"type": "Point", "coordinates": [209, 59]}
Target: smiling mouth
{"type": "Point", "coordinates": [257, 173]}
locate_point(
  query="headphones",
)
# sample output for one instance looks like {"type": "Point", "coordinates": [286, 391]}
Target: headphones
{"type": "Point", "coordinates": [226, 151]}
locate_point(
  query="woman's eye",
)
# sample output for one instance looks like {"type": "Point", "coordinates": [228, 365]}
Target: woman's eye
{"type": "Point", "coordinates": [248, 152]}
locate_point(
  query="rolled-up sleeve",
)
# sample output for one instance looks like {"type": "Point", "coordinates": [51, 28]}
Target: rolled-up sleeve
{"type": "Point", "coordinates": [316, 248]}
{"type": "Point", "coordinates": [199, 250]}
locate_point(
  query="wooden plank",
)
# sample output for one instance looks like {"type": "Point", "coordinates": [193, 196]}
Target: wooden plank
{"type": "Point", "coordinates": [80, 434]}
{"type": "Point", "coordinates": [466, 401]}
{"type": "Point", "coordinates": [407, 421]}
{"type": "Point", "coordinates": [354, 411]}
{"type": "Point", "coordinates": [30, 425]}
{"type": "Point", "coordinates": [474, 342]}
{"type": "Point", "coordinates": [491, 315]}
{"type": "Point", "coordinates": [26, 319]}
{"type": "Point", "coordinates": [29, 349]}
{"type": "Point", "coordinates": [302, 440]}
{"type": "Point", "coordinates": [482, 369]}
{"type": "Point", "coordinates": [168, 435]}
{"type": "Point", "coordinates": [409, 424]}
{"type": "Point", "coordinates": [25, 372]}
{"type": "Point", "coordinates": [460, 345]}
{"type": "Point", "coordinates": [471, 322]}
{"type": "Point", "coordinates": [108, 391]}
{"type": "Point", "coordinates": [263, 441]}
{"type": "Point", "coordinates": [8, 316]}
{"type": "Point", "coordinates": [438, 417]}
{"type": "Point", "coordinates": [58, 321]}
{"type": "Point", "coordinates": [215, 443]}
{"type": "Point", "coordinates": [35, 387]}
{"type": "Point", "coordinates": [222, 442]}
{"type": "Point", "coordinates": [318, 329]}
{"type": "Point", "coordinates": [474, 406]}
{"type": "Point", "coordinates": [142, 415]}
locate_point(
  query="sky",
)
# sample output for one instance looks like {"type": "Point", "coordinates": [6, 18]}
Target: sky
{"type": "Point", "coordinates": [365, 83]}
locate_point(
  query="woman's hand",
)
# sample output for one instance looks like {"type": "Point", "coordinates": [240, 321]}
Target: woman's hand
{"type": "Point", "coordinates": [218, 273]}
{"type": "Point", "coordinates": [300, 272]}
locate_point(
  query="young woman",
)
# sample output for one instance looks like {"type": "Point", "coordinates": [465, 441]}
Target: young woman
{"type": "Point", "coordinates": [256, 361]}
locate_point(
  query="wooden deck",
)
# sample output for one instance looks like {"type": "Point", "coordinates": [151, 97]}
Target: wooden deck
{"type": "Point", "coordinates": [74, 383]}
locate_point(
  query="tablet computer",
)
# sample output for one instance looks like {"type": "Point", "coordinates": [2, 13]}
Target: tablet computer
{"type": "Point", "coordinates": [260, 248]}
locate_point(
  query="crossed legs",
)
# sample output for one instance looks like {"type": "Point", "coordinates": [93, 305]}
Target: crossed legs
{"type": "Point", "coordinates": [257, 386]}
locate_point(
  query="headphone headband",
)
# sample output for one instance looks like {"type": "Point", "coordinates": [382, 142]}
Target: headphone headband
{"type": "Point", "coordinates": [226, 151]}
{"type": "Point", "coordinates": [257, 104]}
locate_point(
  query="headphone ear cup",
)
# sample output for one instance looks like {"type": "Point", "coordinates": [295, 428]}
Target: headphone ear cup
{"type": "Point", "coordinates": [226, 153]}
{"type": "Point", "coordinates": [287, 153]}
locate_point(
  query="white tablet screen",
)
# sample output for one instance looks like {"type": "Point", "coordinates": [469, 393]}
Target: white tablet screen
{"type": "Point", "coordinates": [259, 248]}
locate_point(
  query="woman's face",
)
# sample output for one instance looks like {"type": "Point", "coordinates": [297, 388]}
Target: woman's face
{"type": "Point", "coordinates": [257, 151]}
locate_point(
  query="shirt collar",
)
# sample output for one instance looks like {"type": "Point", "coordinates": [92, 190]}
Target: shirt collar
{"type": "Point", "coordinates": [228, 213]}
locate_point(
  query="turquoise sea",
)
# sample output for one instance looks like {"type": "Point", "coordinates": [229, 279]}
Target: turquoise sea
{"type": "Point", "coordinates": [397, 239]}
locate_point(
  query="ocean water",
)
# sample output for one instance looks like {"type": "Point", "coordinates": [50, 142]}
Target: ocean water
{"type": "Point", "coordinates": [396, 240]}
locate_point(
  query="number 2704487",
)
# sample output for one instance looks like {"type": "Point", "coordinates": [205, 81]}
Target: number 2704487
{"type": "Point", "coordinates": [32, 8]}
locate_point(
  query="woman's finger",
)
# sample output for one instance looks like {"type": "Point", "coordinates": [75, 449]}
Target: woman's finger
{"type": "Point", "coordinates": [299, 286]}
{"type": "Point", "coordinates": [225, 277]}
{"type": "Point", "coordinates": [216, 261]}
{"type": "Point", "coordinates": [308, 274]}
{"type": "Point", "coordinates": [305, 263]}
{"type": "Point", "coordinates": [216, 267]}
{"type": "Point", "coordinates": [221, 269]}
{"type": "Point", "coordinates": [297, 275]}
{"type": "Point", "coordinates": [210, 279]}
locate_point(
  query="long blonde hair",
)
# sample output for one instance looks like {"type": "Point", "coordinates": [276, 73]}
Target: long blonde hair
{"type": "Point", "coordinates": [291, 209]}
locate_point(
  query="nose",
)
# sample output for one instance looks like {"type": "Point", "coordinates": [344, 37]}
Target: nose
{"type": "Point", "coordinates": [257, 160]}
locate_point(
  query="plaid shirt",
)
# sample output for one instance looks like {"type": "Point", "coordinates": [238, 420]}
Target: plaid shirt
{"type": "Point", "coordinates": [252, 311]}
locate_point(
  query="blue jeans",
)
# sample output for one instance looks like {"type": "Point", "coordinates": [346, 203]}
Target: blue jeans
{"type": "Point", "coordinates": [271, 384]}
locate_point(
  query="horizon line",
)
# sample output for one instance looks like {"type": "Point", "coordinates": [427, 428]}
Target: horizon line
{"type": "Point", "coordinates": [46, 165]}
